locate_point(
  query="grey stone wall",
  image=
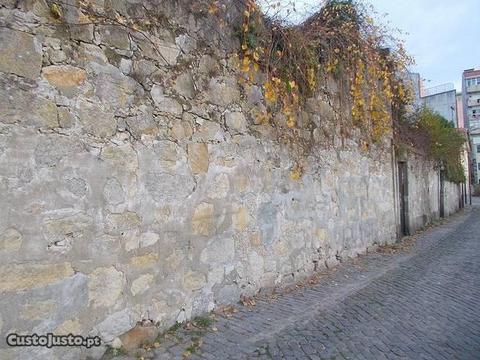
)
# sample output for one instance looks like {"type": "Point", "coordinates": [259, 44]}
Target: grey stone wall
{"type": "Point", "coordinates": [136, 182]}
{"type": "Point", "coordinates": [453, 195]}
{"type": "Point", "coordinates": [424, 193]}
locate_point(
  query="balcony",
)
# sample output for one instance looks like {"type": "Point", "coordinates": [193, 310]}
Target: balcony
{"type": "Point", "coordinates": [473, 102]}
{"type": "Point", "coordinates": [473, 88]}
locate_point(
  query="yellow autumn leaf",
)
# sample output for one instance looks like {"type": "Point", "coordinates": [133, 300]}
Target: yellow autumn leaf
{"type": "Point", "coordinates": [291, 121]}
{"type": "Point", "coordinates": [270, 94]}
{"type": "Point", "coordinates": [56, 11]}
{"type": "Point", "coordinates": [296, 173]}
{"type": "Point", "coordinates": [245, 64]}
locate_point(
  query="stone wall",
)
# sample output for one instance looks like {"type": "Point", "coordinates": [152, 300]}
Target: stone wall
{"type": "Point", "coordinates": [424, 193]}
{"type": "Point", "coordinates": [453, 195]}
{"type": "Point", "coordinates": [136, 182]}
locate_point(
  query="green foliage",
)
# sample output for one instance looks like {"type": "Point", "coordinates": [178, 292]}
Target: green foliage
{"type": "Point", "coordinates": [444, 143]}
{"type": "Point", "coordinates": [203, 321]}
{"type": "Point", "coordinates": [112, 353]}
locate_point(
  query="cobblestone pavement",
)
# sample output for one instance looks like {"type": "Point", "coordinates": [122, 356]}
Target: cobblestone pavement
{"type": "Point", "coordinates": [418, 304]}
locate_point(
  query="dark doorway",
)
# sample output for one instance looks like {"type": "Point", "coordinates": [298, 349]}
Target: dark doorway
{"type": "Point", "coordinates": [442, 193]}
{"type": "Point", "coordinates": [403, 189]}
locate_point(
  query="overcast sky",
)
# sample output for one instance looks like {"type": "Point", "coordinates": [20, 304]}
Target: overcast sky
{"type": "Point", "coordinates": [442, 35]}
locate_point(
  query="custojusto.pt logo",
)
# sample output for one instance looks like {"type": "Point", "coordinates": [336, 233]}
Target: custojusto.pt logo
{"type": "Point", "coordinates": [51, 340]}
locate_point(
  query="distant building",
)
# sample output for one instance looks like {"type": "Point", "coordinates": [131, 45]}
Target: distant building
{"type": "Point", "coordinates": [471, 97]}
{"type": "Point", "coordinates": [471, 113]}
{"type": "Point", "coordinates": [414, 81]}
{"type": "Point", "coordinates": [443, 100]}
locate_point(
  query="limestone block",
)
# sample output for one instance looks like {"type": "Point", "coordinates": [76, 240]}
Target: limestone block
{"type": "Point", "coordinates": [255, 240]}
{"type": "Point", "coordinates": [256, 263]}
{"type": "Point", "coordinates": [116, 324]}
{"type": "Point", "coordinates": [208, 65]}
{"type": "Point", "coordinates": [66, 119]}
{"type": "Point", "coordinates": [165, 104]}
{"type": "Point", "coordinates": [169, 52]}
{"type": "Point", "coordinates": [38, 310]}
{"type": "Point", "coordinates": [208, 131]}
{"type": "Point", "coordinates": [20, 53]}
{"type": "Point", "coordinates": [202, 220]}
{"type": "Point", "coordinates": [116, 223]}
{"type": "Point", "coordinates": [186, 43]}
{"type": "Point", "coordinates": [71, 326]}
{"type": "Point", "coordinates": [236, 122]}
{"type": "Point", "coordinates": [142, 123]}
{"type": "Point", "coordinates": [254, 94]}
{"type": "Point", "coordinates": [105, 285]}
{"type": "Point", "coordinates": [174, 261]}
{"type": "Point", "coordinates": [165, 186]}
{"type": "Point", "coordinates": [241, 183]}
{"type": "Point", "coordinates": [65, 78]}
{"type": "Point", "coordinates": [148, 239]}
{"type": "Point", "coordinates": [223, 91]}
{"type": "Point", "coordinates": [219, 251]}
{"type": "Point", "coordinates": [95, 120]}
{"type": "Point", "coordinates": [194, 280]}
{"type": "Point", "coordinates": [146, 72]}
{"type": "Point", "coordinates": [79, 25]}
{"type": "Point", "coordinates": [114, 89]}
{"type": "Point", "coordinates": [11, 240]}
{"type": "Point", "coordinates": [113, 192]}
{"type": "Point", "coordinates": [90, 53]}
{"type": "Point", "coordinates": [72, 225]}
{"type": "Point", "coordinates": [144, 261]}
{"type": "Point", "coordinates": [122, 158]}
{"type": "Point", "coordinates": [181, 130]}
{"type": "Point", "coordinates": [220, 187]}
{"type": "Point", "coordinates": [141, 284]}
{"type": "Point", "coordinates": [198, 157]}
{"type": "Point", "coordinates": [114, 35]}
{"type": "Point", "coordinates": [241, 218]}
{"type": "Point", "coordinates": [33, 275]}
{"type": "Point", "coordinates": [25, 107]}
{"type": "Point", "coordinates": [184, 85]}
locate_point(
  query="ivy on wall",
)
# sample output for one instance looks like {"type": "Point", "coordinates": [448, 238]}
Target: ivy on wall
{"type": "Point", "coordinates": [341, 41]}
{"type": "Point", "coordinates": [430, 132]}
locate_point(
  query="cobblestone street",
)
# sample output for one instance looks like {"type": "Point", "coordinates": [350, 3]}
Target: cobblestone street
{"type": "Point", "coordinates": [415, 304]}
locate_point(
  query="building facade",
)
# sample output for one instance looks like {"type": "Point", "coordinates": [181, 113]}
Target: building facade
{"type": "Point", "coordinates": [442, 99]}
{"type": "Point", "coordinates": [471, 111]}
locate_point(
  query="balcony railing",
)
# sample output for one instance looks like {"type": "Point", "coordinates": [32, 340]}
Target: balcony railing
{"type": "Point", "coordinates": [473, 88]}
{"type": "Point", "coordinates": [437, 89]}
{"type": "Point", "coordinates": [473, 102]}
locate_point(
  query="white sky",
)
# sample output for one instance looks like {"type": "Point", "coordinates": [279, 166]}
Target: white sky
{"type": "Point", "coordinates": [442, 35]}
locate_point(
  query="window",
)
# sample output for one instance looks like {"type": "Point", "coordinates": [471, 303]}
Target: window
{"type": "Point", "coordinates": [478, 151]}
{"type": "Point", "coordinates": [478, 166]}
{"type": "Point", "coordinates": [474, 81]}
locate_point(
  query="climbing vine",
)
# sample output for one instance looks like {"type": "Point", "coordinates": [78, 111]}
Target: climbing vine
{"type": "Point", "coordinates": [436, 137]}
{"type": "Point", "coordinates": [339, 41]}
